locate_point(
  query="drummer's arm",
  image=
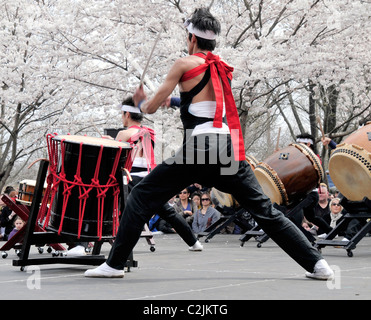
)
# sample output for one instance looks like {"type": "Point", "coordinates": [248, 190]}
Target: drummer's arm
{"type": "Point", "coordinates": [164, 91]}
{"type": "Point", "coordinates": [328, 141]}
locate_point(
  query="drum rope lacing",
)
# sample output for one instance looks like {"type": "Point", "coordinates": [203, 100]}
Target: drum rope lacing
{"type": "Point", "coordinates": [54, 179]}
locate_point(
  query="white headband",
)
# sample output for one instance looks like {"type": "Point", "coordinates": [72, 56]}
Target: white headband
{"type": "Point", "coordinates": [208, 34]}
{"type": "Point", "coordinates": [128, 108]}
{"type": "Point", "coordinates": [304, 140]}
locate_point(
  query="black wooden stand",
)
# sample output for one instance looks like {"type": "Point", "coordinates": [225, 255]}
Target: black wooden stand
{"type": "Point", "coordinates": [32, 237]}
{"type": "Point", "coordinates": [355, 210]}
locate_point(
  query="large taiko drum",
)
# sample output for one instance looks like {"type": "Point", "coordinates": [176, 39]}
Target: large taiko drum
{"type": "Point", "coordinates": [350, 165]}
{"type": "Point", "coordinates": [87, 185]}
{"type": "Point", "coordinates": [26, 191]}
{"type": "Point", "coordinates": [289, 174]}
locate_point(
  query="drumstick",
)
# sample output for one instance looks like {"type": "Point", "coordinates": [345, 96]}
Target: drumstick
{"type": "Point", "coordinates": [148, 60]}
{"type": "Point", "coordinates": [95, 128]}
{"type": "Point", "coordinates": [320, 127]}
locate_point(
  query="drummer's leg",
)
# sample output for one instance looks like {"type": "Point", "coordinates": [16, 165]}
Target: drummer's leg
{"type": "Point", "coordinates": [247, 191]}
{"type": "Point", "coordinates": [169, 214]}
{"type": "Point", "coordinates": [179, 224]}
{"type": "Point", "coordinates": [145, 199]}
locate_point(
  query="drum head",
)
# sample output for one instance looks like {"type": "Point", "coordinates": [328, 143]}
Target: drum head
{"type": "Point", "coordinates": [93, 141]}
{"type": "Point", "coordinates": [350, 170]}
{"type": "Point", "coordinates": [270, 183]}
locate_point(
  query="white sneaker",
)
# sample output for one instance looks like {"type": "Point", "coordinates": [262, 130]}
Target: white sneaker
{"type": "Point", "coordinates": [196, 247]}
{"type": "Point", "coordinates": [322, 271]}
{"type": "Point", "coordinates": [322, 236]}
{"type": "Point", "coordinates": [76, 251]}
{"type": "Point", "coordinates": [104, 271]}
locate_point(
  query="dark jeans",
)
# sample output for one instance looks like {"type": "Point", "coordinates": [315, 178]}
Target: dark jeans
{"type": "Point", "coordinates": [171, 177]}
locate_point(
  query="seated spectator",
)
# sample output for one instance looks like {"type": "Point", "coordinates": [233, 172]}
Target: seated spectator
{"type": "Point", "coordinates": [196, 201]}
{"type": "Point", "coordinates": [206, 216]}
{"type": "Point", "coordinates": [184, 206]}
{"type": "Point", "coordinates": [18, 225]}
{"type": "Point", "coordinates": [7, 216]}
{"type": "Point", "coordinates": [349, 228]}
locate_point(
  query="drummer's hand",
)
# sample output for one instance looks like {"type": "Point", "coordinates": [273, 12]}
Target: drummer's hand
{"type": "Point", "coordinates": [139, 95]}
{"type": "Point", "coordinates": [325, 140]}
{"type": "Point", "coordinates": [166, 102]}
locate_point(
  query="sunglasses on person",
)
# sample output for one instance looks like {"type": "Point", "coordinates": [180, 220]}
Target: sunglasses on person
{"type": "Point", "coordinates": [183, 192]}
{"type": "Point", "coordinates": [205, 199]}
{"type": "Point", "coordinates": [336, 204]}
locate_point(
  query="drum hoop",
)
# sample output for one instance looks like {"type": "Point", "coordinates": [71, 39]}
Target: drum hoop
{"type": "Point", "coordinates": [345, 149]}
{"type": "Point", "coordinates": [276, 179]}
{"type": "Point", "coordinates": [312, 157]}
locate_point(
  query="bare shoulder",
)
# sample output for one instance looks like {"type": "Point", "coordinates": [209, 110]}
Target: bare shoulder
{"type": "Point", "coordinates": [124, 135]}
{"type": "Point", "coordinates": [186, 63]}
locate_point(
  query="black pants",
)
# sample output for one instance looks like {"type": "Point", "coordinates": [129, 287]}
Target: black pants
{"type": "Point", "coordinates": [168, 213]}
{"type": "Point", "coordinates": [204, 164]}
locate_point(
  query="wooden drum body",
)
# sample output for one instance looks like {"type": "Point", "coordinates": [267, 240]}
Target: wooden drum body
{"type": "Point", "coordinates": [350, 165]}
{"type": "Point", "coordinates": [87, 185]}
{"type": "Point", "coordinates": [289, 174]}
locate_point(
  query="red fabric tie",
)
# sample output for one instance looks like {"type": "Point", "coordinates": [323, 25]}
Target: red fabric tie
{"type": "Point", "coordinates": [220, 73]}
{"type": "Point", "coordinates": [146, 136]}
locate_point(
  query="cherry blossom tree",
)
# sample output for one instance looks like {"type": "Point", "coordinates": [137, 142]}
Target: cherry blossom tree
{"type": "Point", "coordinates": [66, 65]}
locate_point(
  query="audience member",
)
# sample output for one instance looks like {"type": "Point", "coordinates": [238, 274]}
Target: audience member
{"type": "Point", "coordinates": [18, 225]}
{"type": "Point", "coordinates": [205, 216]}
{"type": "Point", "coordinates": [196, 201]}
{"type": "Point", "coordinates": [323, 206]}
{"type": "Point", "coordinates": [7, 216]}
{"type": "Point", "coordinates": [350, 227]}
{"type": "Point", "coordinates": [184, 206]}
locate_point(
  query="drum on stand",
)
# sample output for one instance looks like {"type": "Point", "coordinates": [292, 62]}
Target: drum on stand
{"type": "Point", "coordinates": [289, 174]}
{"type": "Point", "coordinates": [26, 191]}
{"type": "Point", "coordinates": [350, 165]}
{"type": "Point", "coordinates": [87, 185]}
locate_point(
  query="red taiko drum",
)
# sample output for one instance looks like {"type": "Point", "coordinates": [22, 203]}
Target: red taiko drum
{"type": "Point", "coordinates": [86, 182]}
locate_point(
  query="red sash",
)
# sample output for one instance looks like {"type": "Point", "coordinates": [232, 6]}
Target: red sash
{"type": "Point", "coordinates": [220, 68]}
{"type": "Point", "coordinates": [146, 136]}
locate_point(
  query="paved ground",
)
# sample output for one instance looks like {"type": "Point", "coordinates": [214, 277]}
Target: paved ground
{"type": "Point", "coordinates": [223, 271]}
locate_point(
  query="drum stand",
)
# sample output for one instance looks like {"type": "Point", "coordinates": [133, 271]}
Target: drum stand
{"type": "Point", "coordinates": [355, 210]}
{"type": "Point", "coordinates": [261, 236]}
{"type": "Point", "coordinates": [23, 212]}
{"type": "Point", "coordinates": [238, 217]}
{"type": "Point", "coordinates": [32, 236]}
